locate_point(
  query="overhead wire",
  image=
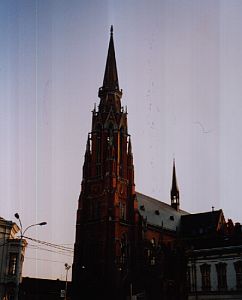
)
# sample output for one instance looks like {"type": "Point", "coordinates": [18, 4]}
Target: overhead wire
{"type": "Point", "coordinates": [42, 259]}
{"type": "Point", "coordinates": [65, 253]}
{"type": "Point", "coordinates": [57, 246]}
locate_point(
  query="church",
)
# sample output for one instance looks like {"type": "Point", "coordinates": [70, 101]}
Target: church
{"type": "Point", "coordinates": [129, 245]}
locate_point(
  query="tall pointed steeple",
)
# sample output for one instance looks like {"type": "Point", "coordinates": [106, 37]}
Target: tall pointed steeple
{"type": "Point", "coordinates": [174, 189]}
{"type": "Point", "coordinates": [107, 207]}
{"type": "Point", "coordinates": [109, 93]}
{"type": "Point", "coordinates": [110, 80]}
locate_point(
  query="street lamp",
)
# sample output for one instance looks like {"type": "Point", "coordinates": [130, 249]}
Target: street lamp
{"type": "Point", "coordinates": [22, 232]}
{"type": "Point", "coordinates": [67, 268]}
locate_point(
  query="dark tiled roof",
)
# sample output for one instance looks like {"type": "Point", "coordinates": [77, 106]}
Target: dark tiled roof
{"type": "Point", "coordinates": [159, 213]}
{"type": "Point", "coordinates": [201, 223]}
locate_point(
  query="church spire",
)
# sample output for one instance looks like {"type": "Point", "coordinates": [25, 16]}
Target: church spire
{"type": "Point", "coordinates": [110, 80]}
{"type": "Point", "coordinates": [174, 189]}
{"type": "Point", "coordinates": [109, 93]}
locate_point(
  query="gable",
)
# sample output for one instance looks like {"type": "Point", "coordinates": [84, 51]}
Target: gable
{"type": "Point", "coordinates": [201, 223]}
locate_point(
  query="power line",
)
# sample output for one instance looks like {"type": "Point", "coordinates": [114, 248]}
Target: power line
{"type": "Point", "coordinates": [49, 250]}
{"type": "Point", "coordinates": [49, 260]}
{"type": "Point", "coordinates": [60, 247]}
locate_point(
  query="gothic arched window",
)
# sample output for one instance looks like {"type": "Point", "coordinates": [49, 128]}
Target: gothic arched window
{"type": "Point", "coordinates": [98, 149]}
{"type": "Point", "coordinates": [124, 249]}
{"type": "Point", "coordinates": [122, 211]}
{"type": "Point", "coordinates": [98, 143]}
{"type": "Point", "coordinates": [121, 142]}
{"type": "Point", "coordinates": [110, 133]}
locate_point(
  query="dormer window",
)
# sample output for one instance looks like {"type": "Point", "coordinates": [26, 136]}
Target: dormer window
{"type": "Point", "coordinates": [142, 207]}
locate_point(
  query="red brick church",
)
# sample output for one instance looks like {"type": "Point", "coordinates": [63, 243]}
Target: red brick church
{"type": "Point", "coordinates": [125, 241]}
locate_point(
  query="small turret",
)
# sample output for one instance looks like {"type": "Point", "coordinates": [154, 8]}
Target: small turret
{"type": "Point", "coordinates": [86, 165]}
{"type": "Point", "coordinates": [174, 189]}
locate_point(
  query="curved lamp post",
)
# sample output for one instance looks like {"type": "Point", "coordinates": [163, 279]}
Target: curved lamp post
{"type": "Point", "coordinates": [22, 232]}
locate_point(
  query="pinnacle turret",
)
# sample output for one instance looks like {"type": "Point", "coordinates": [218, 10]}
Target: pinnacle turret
{"type": "Point", "coordinates": [130, 147]}
{"type": "Point", "coordinates": [174, 189]}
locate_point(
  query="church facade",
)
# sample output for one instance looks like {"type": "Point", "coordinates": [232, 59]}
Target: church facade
{"type": "Point", "coordinates": [124, 239]}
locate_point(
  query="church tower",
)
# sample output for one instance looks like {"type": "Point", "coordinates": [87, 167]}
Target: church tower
{"type": "Point", "coordinates": [107, 215]}
{"type": "Point", "coordinates": [175, 202]}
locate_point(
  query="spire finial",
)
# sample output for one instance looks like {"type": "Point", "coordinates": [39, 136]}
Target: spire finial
{"type": "Point", "coordinates": [111, 30]}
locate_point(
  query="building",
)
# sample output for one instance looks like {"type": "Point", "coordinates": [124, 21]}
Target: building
{"type": "Point", "coordinates": [11, 250]}
{"type": "Point", "coordinates": [129, 245]}
{"type": "Point", "coordinates": [214, 252]}
{"type": "Point", "coordinates": [43, 289]}
{"type": "Point", "coordinates": [124, 240]}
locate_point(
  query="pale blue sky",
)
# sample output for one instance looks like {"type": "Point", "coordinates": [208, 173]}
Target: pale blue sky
{"type": "Point", "coordinates": [180, 68]}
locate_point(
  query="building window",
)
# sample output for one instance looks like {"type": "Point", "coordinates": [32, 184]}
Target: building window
{"type": "Point", "coordinates": [124, 250]}
{"type": "Point", "coordinates": [150, 253]}
{"type": "Point", "coordinates": [121, 151]}
{"type": "Point", "coordinates": [206, 281]}
{"type": "Point", "coordinates": [94, 209]}
{"type": "Point", "coordinates": [193, 274]}
{"type": "Point", "coordinates": [147, 255]}
{"type": "Point", "coordinates": [238, 270]}
{"type": "Point", "coordinates": [152, 259]}
{"type": "Point", "coordinates": [221, 275]}
{"type": "Point", "coordinates": [122, 211]}
{"type": "Point", "coordinates": [98, 143]}
{"type": "Point", "coordinates": [189, 279]}
{"type": "Point", "coordinates": [99, 169]}
{"type": "Point", "coordinates": [110, 134]}
{"type": "Point", "coordinates": [98, 149]}
{"type": "Point", "coordinates": [153, 242]}
{"type": "Point", "coordinates": [12, 266]}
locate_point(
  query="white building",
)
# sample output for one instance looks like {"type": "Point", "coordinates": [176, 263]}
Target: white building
{"type": "Point", "coordinates": [216, 273]}
{"type": "Point", "coordinates": [214, 269]}
{"type": "Point", "coordinates": [10, 254]}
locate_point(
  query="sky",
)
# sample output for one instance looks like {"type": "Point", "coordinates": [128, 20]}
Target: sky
{"type": "Point", "coordinates": [180, 67]}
